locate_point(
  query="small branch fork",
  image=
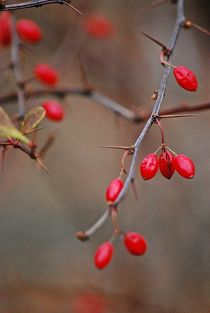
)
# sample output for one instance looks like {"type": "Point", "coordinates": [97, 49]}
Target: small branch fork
{"type": "Point", "coordinates": [180, 19]}
{"type": "Point", "coordinates": [30, 150]}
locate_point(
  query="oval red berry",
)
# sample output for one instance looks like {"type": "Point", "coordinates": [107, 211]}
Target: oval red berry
{"type": "Point", "coordinates": [149, 166]}
{"type": "Point", "coordinates": [54, 110]}
{"type": "Point", "coordinates": [135, 243]}
{"type": "Point", "coordinates": [46, 74]}
{"type": "Point", "coordinates": [29, 31]}
{"type": "Point", "coordinates": [103, 255]}
{"type": "Point", "coordinates": [185, 78]}
{"type": "Point", "coordinates": [114, 189]}
{"type": "Point", "coordinates": [99, 26]}
{"type": "Point", "coordinates": [166, 166]}
{"type": "Point", "coordinates": [5, 29]}
{"type": "Point", "coordinates": [184, 166]}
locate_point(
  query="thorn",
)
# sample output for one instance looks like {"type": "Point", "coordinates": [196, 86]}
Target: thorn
{"type": "Point", "coordinates": [42, 165]}
{"type": "Point", "coordinates": [156, 41]}
{"type": "Point", "coordinates": [134, 189]}
{"type": "Point", "coordinates": [155, 4]}
{"type": "Point", "coordinates": [116, 147]}
{"type": "Point", "coordinates": [49, 142]}
{"type": "Point", "coordinates": [176, 115]}
{"type": "Point", "coordinates": [73, 8]}
{"type": "Point", "coordinates": [4, 149]}
{"type": "Point", "coordinates": [33, 130]}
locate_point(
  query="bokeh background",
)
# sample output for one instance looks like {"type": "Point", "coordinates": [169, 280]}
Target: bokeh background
{"type": "Point", "coordinates": [43, 267]}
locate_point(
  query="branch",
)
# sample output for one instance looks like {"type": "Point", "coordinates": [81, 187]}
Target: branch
{"type": "Point", "coordinates": [16, 67]}
{"type": "Point", "coordinates": [155, 111]}
{"type": "Point", "coordinates": [31, 4]}
{"type": "Point", "coordinates": [136, 115]}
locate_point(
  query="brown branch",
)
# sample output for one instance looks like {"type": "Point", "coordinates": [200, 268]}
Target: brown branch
{"type": "Point", "coordinates": [136, 115]}
{"type": "Point", "coordinates": [31, 4]}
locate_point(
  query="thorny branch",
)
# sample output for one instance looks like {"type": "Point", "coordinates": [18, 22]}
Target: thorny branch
{"type": "Point", "coordinates": [180, 19]}
{"type": "Point", "coordinates": [136, 115]}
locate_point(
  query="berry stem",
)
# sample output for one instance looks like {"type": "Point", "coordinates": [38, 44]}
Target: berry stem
{"type": "Point", "coordinates": [161, 130]}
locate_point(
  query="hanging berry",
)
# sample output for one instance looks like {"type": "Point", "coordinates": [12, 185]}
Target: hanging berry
{"type": "Point", "coordinates": [113, 190]}
{"type": "Point", "coordinates": [29, 31]}
{"type": "Point", "coordinates": [5, 29]}
{"type": "Point", "coordinates": [99, 26]}
{"type": "Point", "coordinates": [46, 74]}
{"type": "Point", "coordinates": [149, 166]}
{"type": "Point", "coordinates": [103, 255]}
{"type": "Point", "coordinates": [166, 165]}
{"type": "Point", "coordinates": [185, 78]}
{"type": "Point", "coordinates": [184, 166]}
{"type": "Point", "coordinates": [135, 243]}
{"type": "Point", "coordinates": [54, 110]}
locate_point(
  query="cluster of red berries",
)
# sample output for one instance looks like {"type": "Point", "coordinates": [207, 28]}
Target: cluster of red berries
{"type": "Point", "coordinates": [134, 243]}
{"type": "Point", "coordinates": [29, 32]}
{"type": "Point", "coordinates": [167, 163]}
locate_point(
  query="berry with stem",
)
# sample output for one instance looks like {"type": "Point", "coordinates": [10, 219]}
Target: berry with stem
{"type": "Point", "coordinates": [185, 78]}
{"type": "Point", "coordinates": [114, 189]}
{"type": "Point", "coordinates": [54, 110]}
{"type": "Point", "coordinates": [149, 166]}
{"type": "Point", "coordinates": [28, 31]}
{"type": "Point", "coordinates": [184, 166]}
{"type": "Point", "coordinates": [135, 243]}
{"type": "Point", "coordinates": [165, 163]}
{"type": "Point", "coordinates": [103, 255]}
{"type": "Point", "coordinates": [5, 29]}
{"type": "Point", "coordinates": [46, 74]}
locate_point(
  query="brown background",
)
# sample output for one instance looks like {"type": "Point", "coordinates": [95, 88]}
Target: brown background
{"type": "Point", "coordinates": [43, 267]}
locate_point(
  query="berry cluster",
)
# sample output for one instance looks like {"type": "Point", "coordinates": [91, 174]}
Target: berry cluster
{"type": "Point", "coordinates": [134, 243]}
{"type": "Point", "coordinates": [168, 162]}
{"type": "Point", "coordinates": [30, 33]}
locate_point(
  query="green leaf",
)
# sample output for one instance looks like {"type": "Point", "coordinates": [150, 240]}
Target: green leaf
{"type": "Point", "coordinates": [12, 132]}
{"type": "Point", "coordinates": [32, 119]}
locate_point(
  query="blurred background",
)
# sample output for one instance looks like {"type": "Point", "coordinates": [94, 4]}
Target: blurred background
{"type": "Point", "coordinates": [43, 267]}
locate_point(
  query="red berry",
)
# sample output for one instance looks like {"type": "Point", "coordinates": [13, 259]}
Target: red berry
{"type": "Point", "coordinates": [29, 31]}
{"type": "Point", "coordinates": [54, 110]}
{"type": "Point", "coordinates": [46, 74]}
{"type": "Point", "coordinates": [166, 166]}
{"type": "Point", "coordinates": [135, 243]}
{"type": "Point", "coordinates": [99, 26]}
{"type": "Point", "coordinates": [103, 255]}
{"type": "Point", "coordinates": [185, 78]}
{"type": "Point", "coordinates": [114, 189]}
{"type": "Point", "coordinates": [5, 29]}
{"type": "Point", "coordinates": [184, 166]}
{"type": "Point", "coordinates": [149, 166]}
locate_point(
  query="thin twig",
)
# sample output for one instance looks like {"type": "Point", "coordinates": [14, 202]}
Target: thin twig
{"type": "Point", "coordinates": [31, 4]}
{"type": "Point", "coordinates": [16, 67]}
{"type": "Point", "coordinates": [137, 116]}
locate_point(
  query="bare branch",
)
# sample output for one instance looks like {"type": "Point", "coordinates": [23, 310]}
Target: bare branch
{"type": "Point", "coordinates": [31, 4]}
